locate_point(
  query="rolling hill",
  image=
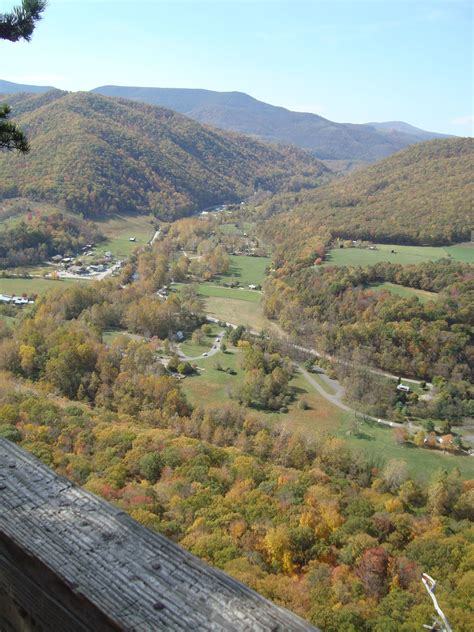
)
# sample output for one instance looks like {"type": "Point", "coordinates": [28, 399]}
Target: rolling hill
{"type": "Point", "coordinates": [98, 156]}
{"type": "Point", "coordinates": [421, 195]}
{"type": "Point", "coordinates": [242, 113]}
{"type": "Point", "coordinates": [406, 128]}
{"type": "Point", "coordinates": [8, 87]}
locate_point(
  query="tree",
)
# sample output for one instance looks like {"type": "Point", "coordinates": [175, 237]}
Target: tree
{"type": "Point", "coordinates": [10, 136]}
{"type": "Point", "coordinates": [14, 26]}
{"type": "Point", "coordinates": [21, 21]}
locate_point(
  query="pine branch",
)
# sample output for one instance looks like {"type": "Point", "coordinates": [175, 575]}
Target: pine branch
{"type": "Point", "coordinates": [11, 137]}
{"type": "Point", "coordinates": [21, 21]}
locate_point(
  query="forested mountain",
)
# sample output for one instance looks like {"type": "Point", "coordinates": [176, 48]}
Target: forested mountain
{"type": "Point", "coordinates": [98, 156]}
{"type": "Point", "coordinates": [421, 195]}
{"type": "Point", "coordinates": [406, 128]}
{"type": "Point", "coordinates": [8, 87]}
{"type": "Point", "coordinates": [242, 113]}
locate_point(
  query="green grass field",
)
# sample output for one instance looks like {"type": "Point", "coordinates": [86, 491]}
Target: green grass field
{"type": "Point", "coordinates": [405, 292]}
{"type": "Point", "coordinates": [238, 312]}
{"type": "Point", "coordinates": [207, 289]}
{"type": "Point", "coordinates": [32, 286]}
{"type": "Point", "coordinates": [120, 228]}
{"type": "Point", "coordinates": [9, 320]}
{"type": "Point", "coordinates": [247, 270]}
{"type": "Point", "coordinates": [211, 387]}
{"type": "Point", "coordinates": [192, 350]}
{"type": "Point", "coordinates": [403, 254]}
{"type": "Point", "coordinates": [422, 463]}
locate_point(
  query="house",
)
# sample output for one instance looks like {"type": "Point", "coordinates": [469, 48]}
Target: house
{"type": "Point", "coordinates": [5, 299]}
{"type": "Point", "coordinates": [132, 239]}
{"type": "Point", "coordinates": [56, 258]}
{"type": "Point", "coordinates": [108, 255]}
{"type": "Point", "coordinates": [252, 287]}
{"type": "Point", "coordinates": [179, 335]}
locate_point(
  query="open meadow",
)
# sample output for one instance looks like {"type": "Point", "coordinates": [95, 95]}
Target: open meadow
{"type": "Point", "coordinates": [213, 385]}
{"type": "Point", "coordinates": [406, 292]}
{"type": "Point", "coordinates": [245, 269]}
{"type": "Point", "coordinates": [402, 254]}
{"type": "Point", "coordinates": [118, 230]}
{"type": "Point", "coordinates": [34, 285]}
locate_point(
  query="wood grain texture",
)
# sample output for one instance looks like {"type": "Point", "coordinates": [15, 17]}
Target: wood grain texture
{"type": "Point", "coordinates": [70, 561]}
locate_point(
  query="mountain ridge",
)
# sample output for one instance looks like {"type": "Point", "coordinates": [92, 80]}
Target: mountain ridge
{"type": "Point", "coordinates": [239, 112]}
{"type": "Point", "coordinates": [98, 155]}
{"type": "Point", "coordinates": [421, 195]}
{"type": "Point", "coordinates": [244, 114]}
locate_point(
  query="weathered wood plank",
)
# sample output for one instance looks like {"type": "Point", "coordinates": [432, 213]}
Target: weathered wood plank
{"type": "Point", "coordinates": [69, 560]}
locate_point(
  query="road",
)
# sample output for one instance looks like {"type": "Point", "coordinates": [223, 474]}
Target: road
{"type": "Point", "coordinates": [216, 347]}
{"type": "Point", "coordinates": [155, 237]}
{"type": "Point", "coordinates": [335, 385]}
{"type": "Point", "coordinates": [337, 397]}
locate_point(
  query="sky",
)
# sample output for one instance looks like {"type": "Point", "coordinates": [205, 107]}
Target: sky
{"type": "Point", "coordinates": [347, 60]}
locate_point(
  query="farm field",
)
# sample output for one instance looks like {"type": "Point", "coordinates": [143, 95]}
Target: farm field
{"type": "Point", "coordinates": [207, 289]}
{"type": "Point", "coordinates": [247, 270]}
{"type": "Point", "coordinates": [403, 254]}
{"type": "Point", "coordinates": [239, 312]}
{"type": "Point", "coordinates": [34, 285]}
{"type": "Point", "coordinates": [233, 229]}
{"type": "Point", "coordinates": [379, 441]}
{"type": "Point", "coordinates": [213, 387]}
{"type": "Point", "coordinates": [405, 292]}
{"type": "Point", "coordinates": [235, 305]}
{"type": "Point", "coordinates": [120, 228]}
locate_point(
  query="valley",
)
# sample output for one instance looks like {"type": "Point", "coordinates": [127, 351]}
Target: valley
{"type": "Point", "coordinates": [265, 381]}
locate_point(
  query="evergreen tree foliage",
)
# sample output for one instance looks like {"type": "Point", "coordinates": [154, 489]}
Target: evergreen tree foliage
{"type": "Point", "coordinates": [14, 26]}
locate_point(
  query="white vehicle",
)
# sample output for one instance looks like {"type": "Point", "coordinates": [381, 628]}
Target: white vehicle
{"type": "Point", "coordinates": [403, 387]}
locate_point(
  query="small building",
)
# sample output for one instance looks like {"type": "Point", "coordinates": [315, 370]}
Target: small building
{"type": "Point", "coordinates": [132, 239]}
{"type": "Point", "coordinates": [57, 258]}
{"type": "Point", "coordinates": [5, 299]}
{"type": "Point", "coordinates": [179, 335]}
{"type": "Point", "coordinates": [252, 287]}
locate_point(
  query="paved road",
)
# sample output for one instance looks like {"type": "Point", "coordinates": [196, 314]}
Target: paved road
{"type": "Point", "coordinates": [216, 347]}
{"type": "Point", "coordinates": [339, 393]}
{"type": "Point", "coordinates": [336, 386]}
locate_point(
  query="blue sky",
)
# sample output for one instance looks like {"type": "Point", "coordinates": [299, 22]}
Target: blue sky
{"type": "Point", "coordinates": [347, 60]}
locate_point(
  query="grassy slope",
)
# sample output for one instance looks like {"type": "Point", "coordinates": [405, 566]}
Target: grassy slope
{"type": "Point", "coordinates": [406, 292]}
{"type": "Point", "coordinates": [403, 254]}
{"type": "Point", "coordinates": [212, 387]}
{"type": "Point", "coordinates": [246, 270]}
{"type": "Point", "coordinates": [34, 285]}
{"type": "Point", "coordinates": [120, 228]}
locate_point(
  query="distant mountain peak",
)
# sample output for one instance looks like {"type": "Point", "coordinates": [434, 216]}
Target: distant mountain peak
{"type": "Point", "coordinates": [242, 113]}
